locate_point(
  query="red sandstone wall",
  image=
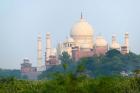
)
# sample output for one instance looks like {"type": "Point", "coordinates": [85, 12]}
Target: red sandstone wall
{"type": "Point", "coordinates": [80, 54]}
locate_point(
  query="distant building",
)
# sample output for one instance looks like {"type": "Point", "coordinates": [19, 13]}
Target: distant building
{"type": "Point", "coordinates": [26, 66]}
{"type": "Point", "coordinates": [80, 43]}
{"type": "Point", "coordinates": [28, 71]}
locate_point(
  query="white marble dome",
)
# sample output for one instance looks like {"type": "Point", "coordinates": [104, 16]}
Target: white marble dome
{"type": "Point", "coordinates": [82, 28]}
{"type": "Point", "coordinates": [100, 41]}
{"type": "Point", "coordinates": [82, 33]}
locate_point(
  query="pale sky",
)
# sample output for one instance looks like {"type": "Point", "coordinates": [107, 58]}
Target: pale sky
{"type": "Point", "coordinates": [22, 20]}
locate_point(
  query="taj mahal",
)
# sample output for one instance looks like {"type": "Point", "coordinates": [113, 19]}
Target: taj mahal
{"type": "Point", "coordinates": [79, 44]}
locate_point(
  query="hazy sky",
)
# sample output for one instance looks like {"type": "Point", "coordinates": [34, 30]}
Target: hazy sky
{"type": "Point", "coordinates": [22, 20]}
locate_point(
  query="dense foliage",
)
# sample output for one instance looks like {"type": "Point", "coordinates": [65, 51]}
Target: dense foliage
{"type": "Point", "coordinates": [110, 64]}
{"type": "Point", "coordinates": [9, 73]}
{"type": "Point", "coordinates": [69, 83]}
{"type": "Point", "coordinates": [98, 74]}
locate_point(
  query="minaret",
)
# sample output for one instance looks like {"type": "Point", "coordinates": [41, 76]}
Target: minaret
{"type": "Point", "coordinates": [126, 42]}
{"type": "Point", "coordinates": [39, 50]}
{"type": "Point", "coordinates": [48, 47]}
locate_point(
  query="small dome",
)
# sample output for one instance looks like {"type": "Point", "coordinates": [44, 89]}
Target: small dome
{"type": "Point", "coordinates": [70, 40]}
{"type": "Point", "coordinates": [100, 41]}
{"type": "Point", "coordinates": [48, 33]}
{"type": "Point", "coordinates": [82, 28]}
{"type": "Point", "coordinates": [26, 58]}
{"type": "Point", "coordinates": [115, 45]}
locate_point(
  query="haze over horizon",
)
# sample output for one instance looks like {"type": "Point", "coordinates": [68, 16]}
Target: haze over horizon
{"type": "Point", "coordinates": [22, 20]}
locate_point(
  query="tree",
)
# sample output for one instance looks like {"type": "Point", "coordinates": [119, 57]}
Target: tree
{"type": "Point", "coordinates": [112, 53]}
{"type": "Point", "coordinates": [65, 60]}
{"type": "Point", "coordinates": [10, 73]}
